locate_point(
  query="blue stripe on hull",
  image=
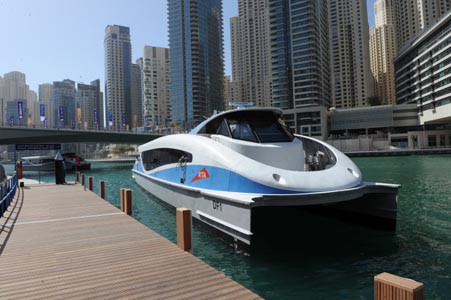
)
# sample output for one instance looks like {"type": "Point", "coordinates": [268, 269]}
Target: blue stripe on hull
{"type": "Point", "coordinates": [218, 179]}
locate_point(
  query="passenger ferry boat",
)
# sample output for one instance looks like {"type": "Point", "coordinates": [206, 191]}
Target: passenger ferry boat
{"type": "Point", "coordinates": [237, 162]}
{"type": "Point", "coordinates": [47, 163]}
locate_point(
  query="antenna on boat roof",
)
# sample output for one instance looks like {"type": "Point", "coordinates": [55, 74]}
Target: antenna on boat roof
{"type": "Point", "coordinates": [239, 105]}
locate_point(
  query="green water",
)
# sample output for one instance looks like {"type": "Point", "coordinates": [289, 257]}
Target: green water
{"type": "Point", "coordinates": [328, 258]}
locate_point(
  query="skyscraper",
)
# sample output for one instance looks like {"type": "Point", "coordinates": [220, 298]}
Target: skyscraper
{"type": "Point", "coordinates": [300, 63]}
{"type": "Point", "coordinates": [13, 87]}
{"type": "Point", "coordinates": [227, 91]}
{"type": "Point", "coordinates": [64, 105]}
{"type": "Point", "coordinates": [46, 99]}
{"type": "Point", "coordinates": [118, 59]}
{"type": "Point", "coordinates": [251, 61]}
{"type": "Point", "coordinates": [383, 49]}
{"type": "Point", "coordinates": [237, 57]}
{"type": "Point", "coordinates": [155, 85]}
{"type": "Point", "coordinates": [89, 101]}
{"type": "Point", "coordinates": [413, 16]}
{"type": "Point", "coordinates": [101, 104]}
{"type": "Point", "coordinates": [136, 96]}
{"type": "Point", "coordinates": [33, 108]}
{"type": "Point", "coordinates": [197, 62]}
{"type": "Point", "coordinates": [352, 83]}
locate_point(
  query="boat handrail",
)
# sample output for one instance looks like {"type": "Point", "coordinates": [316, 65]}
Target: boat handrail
{"type": "Point", "coordinates": [7, 192]}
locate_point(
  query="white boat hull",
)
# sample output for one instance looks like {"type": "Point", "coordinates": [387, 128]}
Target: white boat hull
{"type": "Point", "coordinates": [231, 213]}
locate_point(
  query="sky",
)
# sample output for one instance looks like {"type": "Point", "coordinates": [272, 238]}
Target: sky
{"type": "Point", "coordinates": [51, 40]}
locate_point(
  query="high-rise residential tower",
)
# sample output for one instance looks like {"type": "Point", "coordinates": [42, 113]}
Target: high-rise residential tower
{"type": "Point", "coordinates": [101, 103]}
{"type": "Point", "coordinates": [197, 62]}
{"type": "Point", "coordinates": [14, 87]}
{"type": "Point", "coordinates": [136, 96]}
{"type": "Point", "coordinates": [155, 85]}
{"type": "Point", "coordinates": [299, 37]}
{"type": "Point", "coordinates": [46, 99]}
{"type": "Point", "coordinates": [89, 111]}
{"type": "Point", "coordinates": [383, 49]}
{"type": "Point", "coordinates": [64, 103]}
{"type": "Point", "coordinates": [237, 57]}
{"type": "Point", "coordinates": [251, 64]}
{"type": "Point", "coordinates": [33, 108]}
{"type": "Point", "coordinates": [352, 82]}
{"type": "Point", "coordinates": [227, 91]}
{"type": "Point", "coordinates": [413, 16]}
{"type": "Point", "coordinates": [423, 76]}
{"type": "Point", "coordinates": [118, 59]}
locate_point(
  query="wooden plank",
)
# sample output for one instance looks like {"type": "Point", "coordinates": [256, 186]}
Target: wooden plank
{"type": "Point", "coordinates": [60, 242]}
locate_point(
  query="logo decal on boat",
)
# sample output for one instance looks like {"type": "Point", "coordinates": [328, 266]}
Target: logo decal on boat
{"type": "Point", "coordinates": [203, 174]}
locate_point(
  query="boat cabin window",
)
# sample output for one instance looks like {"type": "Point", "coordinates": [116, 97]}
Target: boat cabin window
{"type": "Point", "coordinates": [253, 126]}
{"type": "Point", "coordinates": [155, 158]}
{"type": "Point", "coordinates": [242, 130]}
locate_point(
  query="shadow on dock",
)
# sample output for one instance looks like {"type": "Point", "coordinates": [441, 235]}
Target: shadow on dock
{"type": "Point", "coordinates": [9, 219]}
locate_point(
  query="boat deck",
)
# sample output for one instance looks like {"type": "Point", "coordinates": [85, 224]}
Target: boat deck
{"type": "Point", "coordinates": [61, 242]}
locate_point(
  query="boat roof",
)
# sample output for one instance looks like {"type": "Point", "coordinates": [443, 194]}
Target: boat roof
{"type": "Point", "coordinates": [36, 157]}
{"type": "Point", "coordinates": [231, 112]}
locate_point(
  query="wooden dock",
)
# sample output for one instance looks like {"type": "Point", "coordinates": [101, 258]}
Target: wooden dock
{"type": "Point", "coordinates": [61, 242]}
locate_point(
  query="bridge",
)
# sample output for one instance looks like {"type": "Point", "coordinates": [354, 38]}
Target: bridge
{"type": "Point", "coordinates": [18, 135]}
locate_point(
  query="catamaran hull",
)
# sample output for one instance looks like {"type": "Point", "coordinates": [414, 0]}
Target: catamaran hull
{"type": "Point", "coordinates": [231, 213]}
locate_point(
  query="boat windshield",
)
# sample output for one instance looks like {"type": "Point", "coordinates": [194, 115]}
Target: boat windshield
{"type": "Point", "coordinates": [252, 126]}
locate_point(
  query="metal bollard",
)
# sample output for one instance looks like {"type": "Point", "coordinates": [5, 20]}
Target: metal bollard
{"type": "Point", "coordinates": [184, 229]}
{"type": "Point", "coordinates": [77, 177]}
{"type": "Point", "coordinates": [90, 183]}
{"type": "Point", "coordinates": [83, 181]}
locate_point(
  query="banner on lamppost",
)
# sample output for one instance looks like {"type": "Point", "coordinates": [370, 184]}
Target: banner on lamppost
{"type": "Point", "coordinates": [42, 112]}
{"type": "Point", "coordinates": [61, 113]}
{"type": "Point", "coordinates": [20, 109]}
{"type": "Point", "coordinates": [123, 120]}
{"type": "Point", "coordinates": [95, 116]}
{"type": "Point", "coordinates": [110, 118]}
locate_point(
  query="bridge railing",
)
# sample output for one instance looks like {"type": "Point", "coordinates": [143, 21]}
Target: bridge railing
{"type": "Point", "coordinates": [7, 192]}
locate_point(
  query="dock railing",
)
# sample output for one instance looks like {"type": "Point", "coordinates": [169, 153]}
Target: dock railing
{"type": "Point", "coordinates": [7, 192]}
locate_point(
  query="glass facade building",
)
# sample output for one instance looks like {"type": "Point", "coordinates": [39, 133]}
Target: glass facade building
{"type": "Point", "coordinates": [64, 104]}
{"type": "Point", "coordinates": [197, 62]}
{"type": "Point", "coordinates": [12, 113]}
{"type": "Point", "coordinates": [423, 73]}
{"type": "Point", "coordinates": [300, 65]}
{"type": "Point", "coordinates": [89, 102]}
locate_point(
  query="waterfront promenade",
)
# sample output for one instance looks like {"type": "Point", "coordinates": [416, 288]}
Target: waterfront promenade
{"type": "Point", "coordinates": [62, 242]}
